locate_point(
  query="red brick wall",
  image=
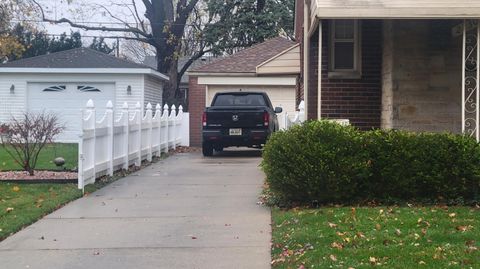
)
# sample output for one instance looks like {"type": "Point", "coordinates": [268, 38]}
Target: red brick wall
{"type": "Point", "coordinates": [196, 105]}
{"type": "Point", "coordinates": [358, 100]}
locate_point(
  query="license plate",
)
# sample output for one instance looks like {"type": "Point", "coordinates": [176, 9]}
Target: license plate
{"type": "Point", "coordinates": [236, 131]}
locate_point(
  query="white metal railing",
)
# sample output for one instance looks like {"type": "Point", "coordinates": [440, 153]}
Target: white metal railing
{"type": "Point", "coordinates": [298, 118]}
{"type": "Point", "coordinates": [108, 145]}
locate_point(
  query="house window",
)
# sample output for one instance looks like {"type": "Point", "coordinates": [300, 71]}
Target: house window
{"type": "Point", "coordinates": [88, 89]}
{"type": "Point", "coordinates": [57, 88]}
{"type": "Point", "coordinates": [345, 49]}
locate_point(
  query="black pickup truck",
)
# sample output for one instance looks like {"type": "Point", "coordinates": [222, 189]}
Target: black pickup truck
{"type": "Point", "coordinates": [238, 119]}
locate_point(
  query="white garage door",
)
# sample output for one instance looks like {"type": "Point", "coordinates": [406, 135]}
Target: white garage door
{"type": "Point", "coordinates": [280, 96]}
{"type": "Point", "coordinates": [67, 100]}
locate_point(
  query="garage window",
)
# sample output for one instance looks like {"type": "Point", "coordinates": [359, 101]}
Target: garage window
{"type": "Point", "coordinates": [57, 88]}
{"type": "Point", "coordinates": [88, 89]}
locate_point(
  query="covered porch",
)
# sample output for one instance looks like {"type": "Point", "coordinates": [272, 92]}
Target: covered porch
{"type": "Point", "coordinates": [411, 65]}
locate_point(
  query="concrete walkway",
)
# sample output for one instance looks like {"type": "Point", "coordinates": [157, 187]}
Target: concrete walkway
{"type": "Point", "coordinates": [184, 212]}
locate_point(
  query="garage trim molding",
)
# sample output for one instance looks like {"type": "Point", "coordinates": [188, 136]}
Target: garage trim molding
{"type": "Point", "coordinates": [277, 81]}
{"type": "Point", "coordinates": [146, 71]}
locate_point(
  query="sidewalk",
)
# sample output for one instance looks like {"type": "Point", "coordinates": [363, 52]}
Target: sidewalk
{"type": "Point", "coordinates": [184, 212]}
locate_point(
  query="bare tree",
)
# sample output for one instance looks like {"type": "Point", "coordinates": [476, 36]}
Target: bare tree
{"type": "Point", "coordinates": [23, 139]}
{"type": "Point", "coordinates": [164, 30]}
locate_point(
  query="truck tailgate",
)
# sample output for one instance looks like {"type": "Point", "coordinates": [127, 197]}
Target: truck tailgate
{"type": "Point", "coordinates": [244, 117]}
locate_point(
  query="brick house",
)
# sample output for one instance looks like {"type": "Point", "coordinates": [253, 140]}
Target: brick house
{"type": "Point", "coordinates": [272, 67]}
{"type": "Point", "coordinates": [404, 64]}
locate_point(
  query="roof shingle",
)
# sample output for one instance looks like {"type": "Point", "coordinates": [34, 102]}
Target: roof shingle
{"type": "Point", "coordinates": [74, 58]}
{"type": "Point", "coordinates": [247, 60]}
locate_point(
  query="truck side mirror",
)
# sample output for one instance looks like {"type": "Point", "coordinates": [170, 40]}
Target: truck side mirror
{"type": "Point", "coordinates": [278, 110]}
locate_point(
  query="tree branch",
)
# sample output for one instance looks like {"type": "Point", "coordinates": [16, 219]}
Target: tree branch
{"type": "Point", "coordinates": [92, 28]}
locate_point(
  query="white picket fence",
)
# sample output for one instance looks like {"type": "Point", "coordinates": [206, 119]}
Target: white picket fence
{"type": "Point", "coordinates": [108, 145]}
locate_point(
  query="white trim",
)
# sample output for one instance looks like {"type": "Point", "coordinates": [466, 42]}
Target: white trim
{"type": "Point", "coordinates": [357, 54]}
{"type": "Point", "coordinates": [146, 71]}
{"type": "Point", "coordinates": [319, 89]}
{"type": "Point", "coordinates": [306, 41]}
{"type": "Point", "coordinates": [218, 74]}
{"type": "Point", "coordinates": [270, 80]}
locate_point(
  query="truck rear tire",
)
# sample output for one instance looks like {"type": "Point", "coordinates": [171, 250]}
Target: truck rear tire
{"type": "Point", "coordinates": [207, 149]}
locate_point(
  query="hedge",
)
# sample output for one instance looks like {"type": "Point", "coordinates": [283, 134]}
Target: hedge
{"type": "Point", "coordinates": [324, 162]}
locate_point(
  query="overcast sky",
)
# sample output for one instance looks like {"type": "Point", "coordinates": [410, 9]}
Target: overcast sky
{"type": "Point", "coordinates": [88, 12]}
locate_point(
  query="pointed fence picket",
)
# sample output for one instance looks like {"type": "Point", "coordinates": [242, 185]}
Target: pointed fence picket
{"type": "Point", "coordinates": [108, 145]}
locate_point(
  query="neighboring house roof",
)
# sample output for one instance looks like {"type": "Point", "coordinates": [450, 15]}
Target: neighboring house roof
{"type": "Point", "coordinates": [247, 60]}
{"type": "Point", "coordinates": [389, 9]}
{"type": "Point", "coordinates": [151, 61]}
{"type": "Point", "coordinates": [83, 60]}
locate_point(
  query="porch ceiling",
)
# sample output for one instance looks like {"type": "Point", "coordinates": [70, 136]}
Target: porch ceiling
{"type": "Point", "coordinates": [395, 9]}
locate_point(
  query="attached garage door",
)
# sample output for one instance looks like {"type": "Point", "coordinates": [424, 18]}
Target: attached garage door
{"type": "Point", "coordinates": [67, 100]}
{"type": "Point", "coordinates": [280, 96]}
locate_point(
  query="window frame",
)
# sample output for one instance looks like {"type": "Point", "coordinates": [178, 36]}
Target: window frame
{"type": "Point", "coordinates": [356, 71]}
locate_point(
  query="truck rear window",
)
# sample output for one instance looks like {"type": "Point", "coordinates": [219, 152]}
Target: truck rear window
{"type": "Point", "coordinates": [239, 100]}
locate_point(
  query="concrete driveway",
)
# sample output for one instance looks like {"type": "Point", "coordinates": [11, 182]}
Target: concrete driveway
{"type": "Point", "coordinates": [184, 212]}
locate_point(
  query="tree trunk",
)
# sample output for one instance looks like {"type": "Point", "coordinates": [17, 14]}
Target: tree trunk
{"type": "Point", "coordinates": [170, 90]}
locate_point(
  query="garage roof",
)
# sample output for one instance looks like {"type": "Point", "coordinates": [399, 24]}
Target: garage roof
{"type": "Point", "coordinates": [395, 9]}
{"type": "Point", "coordinates": [79, 60]}
{"type": "Point", "coordinates": [247, 60]}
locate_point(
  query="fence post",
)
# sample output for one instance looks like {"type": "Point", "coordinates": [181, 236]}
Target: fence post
{"type": "Point", "coordinates": [125, 129]}
{"type": "Point", "coordinates": [166, 115]}
{"type": "Point", "coordinates": [158, 118]}
{"type": "Point", "coordinates": [138, 121]}
{"type": "Point", "coordinates": [109, 119]}
{"type": "Point", "coordinates": [179, 125]}
{"type": "Point", "coordinates": [173, 115]}
{"type": "Point", "coordinates": [148, 117]}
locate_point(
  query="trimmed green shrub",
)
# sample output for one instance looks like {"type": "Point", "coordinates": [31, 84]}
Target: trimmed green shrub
{"type": "Point", "coordinates": [318, 161]}
{"type": "Point", "coordinates": [324, 162]}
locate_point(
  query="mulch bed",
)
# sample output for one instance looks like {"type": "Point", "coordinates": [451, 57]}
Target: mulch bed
{"type": "Point", "coordinates": [39, 176]}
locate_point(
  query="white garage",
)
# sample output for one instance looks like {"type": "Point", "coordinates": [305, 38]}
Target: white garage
{"type": "Point", "coordinates": [272, 67]}
{"type": "Point", "coordinates": [62, 83]}
{"type": "Point", "coordinates": [66, 100]}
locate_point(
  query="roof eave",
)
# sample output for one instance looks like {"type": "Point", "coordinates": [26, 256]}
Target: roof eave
{"type": "Point", "coordinates": [223, 74]}
{"type": "Point", "coordinates": [26, 70]}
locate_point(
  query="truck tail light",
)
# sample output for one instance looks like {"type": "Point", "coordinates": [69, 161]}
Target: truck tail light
{"type": "Point", "coordinates": [266, 118]}
{"type": "Point", "coordinates": [204, 119]}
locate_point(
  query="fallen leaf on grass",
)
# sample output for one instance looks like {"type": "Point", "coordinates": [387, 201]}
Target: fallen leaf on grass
{"type": "Point", "coordinates": [16, 189]}
{"type": "Point", "coordinates": [9, 209]}
{"type": "Point", "coordinates": [373, 260]}
{"type": "Point", "coordinates": [336, 245]}
{"type": "Point", "coordinates": [333, 257]}
{"type": "Point", "coordinates": [332, 225]}
{"type": "Point", "coordinates": [452, 215]}
{"type": "Point", "coordinates": [378, 227]}
{"type": "Point", "coordinates": [422, 262]}
{"type": "Point", "coordinates": [398, 232]}
{"type": "Point", "coordinates": [462, 228]}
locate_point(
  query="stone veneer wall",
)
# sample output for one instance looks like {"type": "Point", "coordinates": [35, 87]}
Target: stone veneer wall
{"type": "Point", "coordinates": [421, 74]}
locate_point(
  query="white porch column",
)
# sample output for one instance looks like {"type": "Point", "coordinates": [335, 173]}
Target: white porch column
{"type": "Point", "coordinates": [306, 41]}
{"type": "Point", "coordinates": [319, 91]}
{"type": "Point", "coordinates": [471, 79]}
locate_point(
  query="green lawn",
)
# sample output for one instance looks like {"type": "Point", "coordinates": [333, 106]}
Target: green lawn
{"type": "Point", "coordinates": [45, 161]}
{"type": "Point", "coordinates": [380, 237]}
{"type": "Point", "coordinates": [23, 204]}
